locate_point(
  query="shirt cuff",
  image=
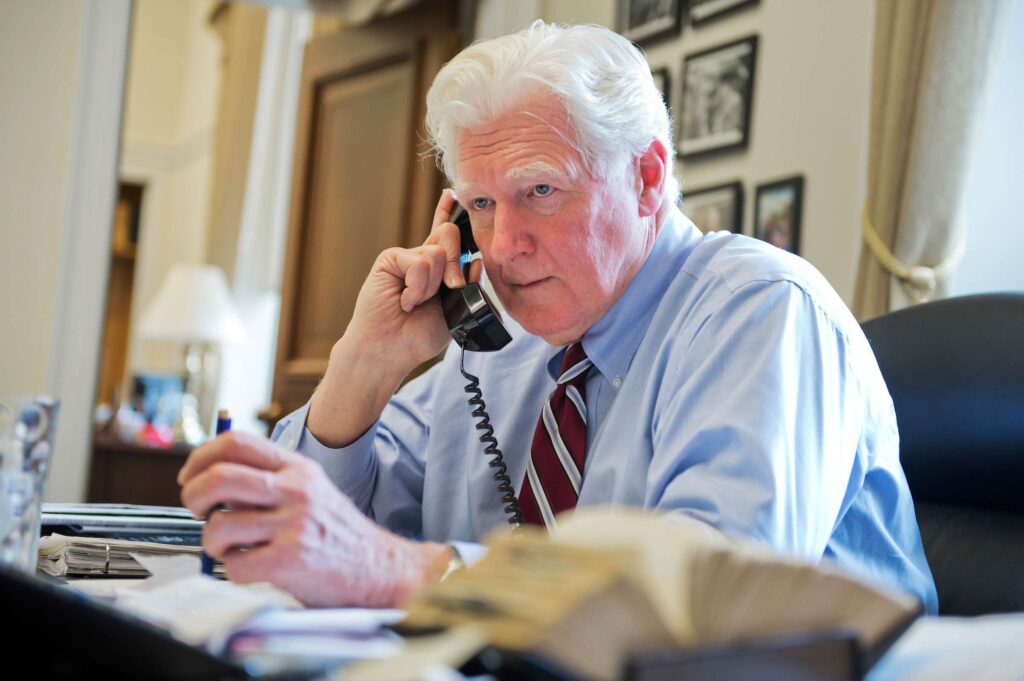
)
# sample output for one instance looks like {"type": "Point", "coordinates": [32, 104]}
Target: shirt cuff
{"type": "Point", "coordinates": [349, 467]}
{"type": "Point", "coordinates": [469, 552]}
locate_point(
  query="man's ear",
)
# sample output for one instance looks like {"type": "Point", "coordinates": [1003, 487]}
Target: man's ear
{"type": "Point", "coordinates": [652, 164]}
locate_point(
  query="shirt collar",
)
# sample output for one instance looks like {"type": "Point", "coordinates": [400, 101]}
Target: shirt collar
{"type": "Point", "coordinates": [612, 342]}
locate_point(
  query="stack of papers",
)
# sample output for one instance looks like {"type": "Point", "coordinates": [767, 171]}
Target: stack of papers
{"type": "Point", "coordinates": [91, 556]}
{"type": "Point", "coordinates": [162, 524]}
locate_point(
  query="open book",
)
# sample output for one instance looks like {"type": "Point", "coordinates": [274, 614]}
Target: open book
{"type": "Point", "coordinates": [613, 583]}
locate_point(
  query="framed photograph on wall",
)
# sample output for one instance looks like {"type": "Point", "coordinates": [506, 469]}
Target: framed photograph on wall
{"type": "Point", "coordinates": [647, 21]}
{"type": "Point", "coordinates": [706, 11]}
{"type": "Point", "coordinates": [718, 89]}
{"type": "Point", "coordinates": [715, 208]}
{"type": "Point", "coordinates": [663, 80]}
{"type": "Point", "coordinates": [777, 212]}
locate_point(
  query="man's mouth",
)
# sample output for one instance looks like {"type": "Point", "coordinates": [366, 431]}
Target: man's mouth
{"type": "Point", "coordinates": [526, 284]}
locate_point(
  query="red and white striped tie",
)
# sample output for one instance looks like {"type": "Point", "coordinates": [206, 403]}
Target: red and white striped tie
{"type": "Point", "coordinates": [555, 472]}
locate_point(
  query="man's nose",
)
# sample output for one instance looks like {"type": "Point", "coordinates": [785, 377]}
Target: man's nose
{"type": "Point", "coordinates": [511, 234]}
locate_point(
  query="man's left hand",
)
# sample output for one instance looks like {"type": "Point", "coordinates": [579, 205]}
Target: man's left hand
{"type": "Point", "coordinates": [288, 524]}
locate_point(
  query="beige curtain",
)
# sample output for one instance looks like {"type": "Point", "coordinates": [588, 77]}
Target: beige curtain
{"type": "Point", "coordinates": [241, 29]}
{"type": "Point", "coordinates": [931, 60]}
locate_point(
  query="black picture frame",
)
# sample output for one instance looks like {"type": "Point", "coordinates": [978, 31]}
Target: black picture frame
{"type": "Point", "coordinates": [648, 21]}
{"type": "Point", "coordinates": [663, 81]}
{"type": "Point", "coordinates": [717, 100]}
{"type": "Point", "coordinates": [707, 11]}
{"type": "Point", "coordinates": [778, 212]}
{"type": "Point", "coordinates": [716, 207]}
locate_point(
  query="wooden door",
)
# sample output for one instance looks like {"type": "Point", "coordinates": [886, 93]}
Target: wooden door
{"type": "Point", "coordinates": [362, 182]}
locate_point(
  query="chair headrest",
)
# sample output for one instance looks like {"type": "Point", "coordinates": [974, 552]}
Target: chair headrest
{"type": "Point", "coordinates": [955, 370]}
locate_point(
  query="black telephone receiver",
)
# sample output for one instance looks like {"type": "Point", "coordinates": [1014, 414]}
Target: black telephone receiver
{"type": "Point", "coordinates": [475, 324]}
{"type": "Point", "coordinates": [472, 319]}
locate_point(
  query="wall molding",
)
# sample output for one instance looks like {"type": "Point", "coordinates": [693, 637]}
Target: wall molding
{"type": "Point", "coordinates": [85, 246]}
{"type": "Point", "coordinates": [161, 157]}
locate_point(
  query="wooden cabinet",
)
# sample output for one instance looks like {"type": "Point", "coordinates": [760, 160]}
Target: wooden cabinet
{"type": "Point", "coordinates": [125, 473]}
{"type": "Point", "coordinates": [117, 322]}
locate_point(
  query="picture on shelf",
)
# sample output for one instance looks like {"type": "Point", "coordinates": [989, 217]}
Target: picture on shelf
{"type": "Point", "coordinates": [777, 210]}
{"type": "Point", "coordinates": [718, 87]}
{"type": "Point", "coordinates": [645, 21]}
{"type": "Point", "coordinates": [715, 208]}
{"type": "Point", "coordinates": [663, 81]}
{"type": "Point", "coordinates": [706, 11]}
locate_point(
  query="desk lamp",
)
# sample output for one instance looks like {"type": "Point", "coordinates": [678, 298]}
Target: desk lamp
{"type": "Point", "coordinates": [194, 307]}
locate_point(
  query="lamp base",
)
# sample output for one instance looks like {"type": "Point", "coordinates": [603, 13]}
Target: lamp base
{"type": "Point", "coordinates": [187, 428]}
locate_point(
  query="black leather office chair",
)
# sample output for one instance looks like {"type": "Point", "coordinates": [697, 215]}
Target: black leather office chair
{"type": "Point", "coordinates": [955, 369]}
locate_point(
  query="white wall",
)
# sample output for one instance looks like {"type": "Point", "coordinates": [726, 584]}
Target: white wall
{"type": "Point", "coordinates": [174, 75]}
{"type": "Point", "coordinates": [248, 368]}
{"type": "Point", "coordinates": [39, 46]}
{"type": "Point", "coordinates": [810, 110]}
{"type": "Point", "coordinates": [992, 204]}
{"type": "Point", "coordinates": [61, 86]}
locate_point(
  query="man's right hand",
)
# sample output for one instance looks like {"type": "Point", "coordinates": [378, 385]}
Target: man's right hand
{"type": "Point", "coordinates": [290, 526]}
{"type": "Point", "coordinates": [397, 325]}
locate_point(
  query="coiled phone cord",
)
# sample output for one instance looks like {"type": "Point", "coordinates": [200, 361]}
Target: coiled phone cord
{"type": "Point", "coordinates": [483, 424]}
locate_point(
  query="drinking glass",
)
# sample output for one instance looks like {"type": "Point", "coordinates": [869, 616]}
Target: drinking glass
{"type": "Point", "coordinates": [27, 426]}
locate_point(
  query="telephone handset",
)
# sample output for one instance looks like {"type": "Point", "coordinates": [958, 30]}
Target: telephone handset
{"type": "Point", "coordinates": [475, 325]}
{"type": "Point", "coordinates": [472, 319]}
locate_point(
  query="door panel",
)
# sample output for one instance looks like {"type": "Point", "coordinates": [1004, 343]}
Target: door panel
{"type": "Point", "coordinates": [363, 136]}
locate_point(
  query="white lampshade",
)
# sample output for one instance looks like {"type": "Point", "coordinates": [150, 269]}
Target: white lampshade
{"type": "Point", "coordinates": [193, 305]}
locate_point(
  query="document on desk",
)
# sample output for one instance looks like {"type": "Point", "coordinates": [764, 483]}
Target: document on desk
{"type": "Point", "coordinates": [256, 622]}
{"type": "Point", "coordinates": [203, 611]}
{"type": "Point", "coordinates": [331, 634]}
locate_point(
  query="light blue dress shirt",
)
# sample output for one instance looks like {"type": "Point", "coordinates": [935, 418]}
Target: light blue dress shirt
{"type": "Point", "coordinates": [731, 384]}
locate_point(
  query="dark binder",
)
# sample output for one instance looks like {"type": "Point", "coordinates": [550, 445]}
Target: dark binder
{"type": "Point", "coordinates": [166, 525]}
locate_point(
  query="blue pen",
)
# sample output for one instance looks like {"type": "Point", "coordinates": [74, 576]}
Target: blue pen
{"type": "Point", "coordinates": [223, 426]}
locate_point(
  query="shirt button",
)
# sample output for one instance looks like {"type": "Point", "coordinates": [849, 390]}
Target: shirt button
{"type": "Point", "coordinates": [617, 382]}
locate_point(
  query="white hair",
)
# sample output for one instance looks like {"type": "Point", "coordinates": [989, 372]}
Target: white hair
{"type": "Point", "coordinates": [603, 81]}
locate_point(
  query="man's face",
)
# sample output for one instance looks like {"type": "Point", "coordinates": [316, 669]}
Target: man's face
{"type": "Point", "coordinates": [559, 245]}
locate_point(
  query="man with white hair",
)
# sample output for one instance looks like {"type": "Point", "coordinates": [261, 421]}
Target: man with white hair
{"type": "Point", "coordinates": [711, 376]}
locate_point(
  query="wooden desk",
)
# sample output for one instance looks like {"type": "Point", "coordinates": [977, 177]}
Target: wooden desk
{"type": "Point", "coordinates": [133, 474]}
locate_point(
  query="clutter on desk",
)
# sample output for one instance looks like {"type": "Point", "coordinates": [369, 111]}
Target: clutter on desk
{"type": "Point", "coordinates": [615, 590]}
{"type": "Point", "coordinates": [62, 556]}
{"type": "Point", "coordinates": [99, 540]}
{"type": "Point", "coordinates": [321, 638]}
{"type": "Point", "coordinates": [203, 611]}
{"type": "Point", "coordinates": [257, 626]}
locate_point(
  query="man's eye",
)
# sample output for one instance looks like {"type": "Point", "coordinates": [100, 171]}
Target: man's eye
{"type": "Point", "coordinates": [542, 189]}
{"type": "Point", "coordinates": [480, 204]}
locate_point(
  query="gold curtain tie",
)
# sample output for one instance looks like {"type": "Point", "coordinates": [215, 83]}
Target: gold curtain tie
{"type": "Point", "coordinates": [919, 281]}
